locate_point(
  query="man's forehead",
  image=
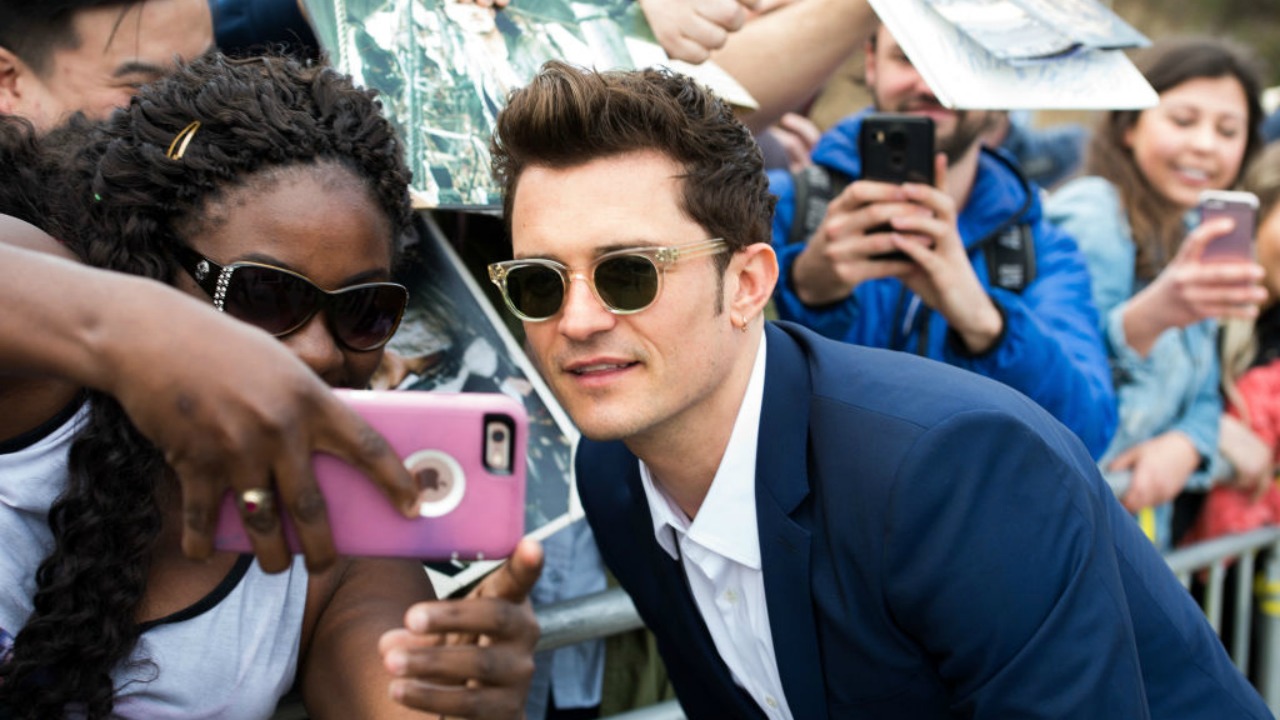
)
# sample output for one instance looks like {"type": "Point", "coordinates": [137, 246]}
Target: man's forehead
{"type": "Point", "coordinates": [148, 32]}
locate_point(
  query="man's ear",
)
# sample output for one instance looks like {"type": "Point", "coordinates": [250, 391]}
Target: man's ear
{"type": "Point", "coordinates": [12, 72]}
{"type": "Point", "coordinates": [869, 59]}
{"type": "Point", "coordinates": [753, 274]}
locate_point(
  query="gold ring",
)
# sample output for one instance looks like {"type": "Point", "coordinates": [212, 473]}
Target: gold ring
{"type": "Point", "coordinates": [258, 506]}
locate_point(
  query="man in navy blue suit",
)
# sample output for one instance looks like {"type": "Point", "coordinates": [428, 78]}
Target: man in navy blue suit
{"type": "Point", "coordinates": [811, 529]}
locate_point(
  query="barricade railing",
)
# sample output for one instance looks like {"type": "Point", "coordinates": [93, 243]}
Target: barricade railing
{"type": "Point", "coordinates": [611, 612]}
{"type": "Point", "coordinates": [1211, 559]}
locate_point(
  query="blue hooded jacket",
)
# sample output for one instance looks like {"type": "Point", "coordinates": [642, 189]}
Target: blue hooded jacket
{"type": "Point", "coordinates": [1051, 349]}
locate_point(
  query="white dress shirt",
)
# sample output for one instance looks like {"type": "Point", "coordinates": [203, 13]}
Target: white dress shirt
{"type": "Point", "coordinates": [721, 552]}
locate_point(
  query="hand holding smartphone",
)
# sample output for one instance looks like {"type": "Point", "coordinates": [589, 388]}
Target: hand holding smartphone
{"type": "Point", "coordinates": [896, 149]}
{"type": "Point", "coordinates": [465, 450]}
{"type": "Point", "coordinates": [1242, 208]}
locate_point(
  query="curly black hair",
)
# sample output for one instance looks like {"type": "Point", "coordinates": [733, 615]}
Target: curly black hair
{"type": "Point", "coordinates": [128, 202]}
{"type": "Point", "coordinates": [22, 183]}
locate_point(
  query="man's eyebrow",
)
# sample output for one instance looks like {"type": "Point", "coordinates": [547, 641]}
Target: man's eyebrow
{"type": "Point", "coordinates": [138, 67]}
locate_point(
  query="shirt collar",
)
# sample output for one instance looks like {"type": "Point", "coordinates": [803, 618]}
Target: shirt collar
{"type": "Point", "coordinates": [726, 522]}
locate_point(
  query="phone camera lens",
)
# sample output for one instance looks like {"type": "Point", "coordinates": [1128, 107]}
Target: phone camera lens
{"type": "Point", "coordinates": [897, 140]}
{"type": "Point", "coordinates": [498, 435]}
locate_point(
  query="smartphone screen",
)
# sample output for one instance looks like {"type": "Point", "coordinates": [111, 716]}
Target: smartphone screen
{"type": "Point", "coordinates": [1241, 207]}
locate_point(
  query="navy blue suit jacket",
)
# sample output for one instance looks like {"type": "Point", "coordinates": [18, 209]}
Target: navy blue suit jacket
{"type": "Point", "coordinates": [934, 545]}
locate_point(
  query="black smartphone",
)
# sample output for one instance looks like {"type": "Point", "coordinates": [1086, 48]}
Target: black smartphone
{"type": "Point", "coordinates": [897, 149]}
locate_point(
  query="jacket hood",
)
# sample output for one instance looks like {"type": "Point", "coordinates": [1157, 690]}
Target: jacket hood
{"type": "Point", "coordinates": [999, 190]}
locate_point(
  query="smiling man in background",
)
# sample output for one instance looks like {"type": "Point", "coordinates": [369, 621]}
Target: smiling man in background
{"type": "Point", "coordinates": [62, 56]}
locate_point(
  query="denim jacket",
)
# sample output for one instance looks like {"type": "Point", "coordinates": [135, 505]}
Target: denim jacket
{"type": "Point", "coordinates": [1175, 387]}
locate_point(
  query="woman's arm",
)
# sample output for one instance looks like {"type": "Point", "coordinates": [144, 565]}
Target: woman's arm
{"type": "Point", "coordinates": [249, 407]}
{"type": "Point", "coordinates": [349, 607]}
{"type": "Point", "coordinates": [783, 57]}
{"type": "Point", "coordinates": [28, 393]}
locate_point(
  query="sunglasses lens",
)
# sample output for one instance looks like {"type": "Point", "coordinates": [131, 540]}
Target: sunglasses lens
{"type": "Point", "coordinates": [270, 299]}
{"type": "Point", "coordinates": [535, 291]}
{"type": "Point", "coordinates": [365, 318]}
{"type": "Point", "coordinates": [627, 283]}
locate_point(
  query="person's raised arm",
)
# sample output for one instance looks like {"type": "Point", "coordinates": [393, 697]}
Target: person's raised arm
{"type": "Point", "coordinates": [228, 404]}
{"type": "Point", "coordinates": [784, 56]}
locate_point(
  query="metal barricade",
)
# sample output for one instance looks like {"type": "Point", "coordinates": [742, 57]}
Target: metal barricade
{"type": "Point", "coordinates": [612, 612]}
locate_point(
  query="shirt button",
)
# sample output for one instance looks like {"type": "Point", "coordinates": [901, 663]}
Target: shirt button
{"type": "Point", "coordinates": [768, 700]}
{"type": "Point", "coordinates": [731, 597]}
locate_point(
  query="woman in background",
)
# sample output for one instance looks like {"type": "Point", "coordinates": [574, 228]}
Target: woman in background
{"type": "Point", "coordinates": [1158, 303]}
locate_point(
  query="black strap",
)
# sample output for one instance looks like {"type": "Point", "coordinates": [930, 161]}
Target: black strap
{"type": "Point", "coordinates": [815, 187]}
{"type": "Point", "coordinates": [1011, 257]}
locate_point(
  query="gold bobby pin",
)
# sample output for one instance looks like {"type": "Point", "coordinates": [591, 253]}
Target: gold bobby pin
{"type": "Point", "coordinates": [182, 140]}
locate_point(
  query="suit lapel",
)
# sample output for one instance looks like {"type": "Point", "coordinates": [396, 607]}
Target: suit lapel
{"type": "Point", "coordinates": [697, 651]}
{"type": "Point", "coordinates": [781, 486]}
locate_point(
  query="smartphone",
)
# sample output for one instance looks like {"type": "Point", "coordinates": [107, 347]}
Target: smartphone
{"type": "Point", "coordinates": [466, 451]}
{"type": "Point", "coordinates": [896, 148]}
{"type": "Point", "coordinates": [1242, 207]}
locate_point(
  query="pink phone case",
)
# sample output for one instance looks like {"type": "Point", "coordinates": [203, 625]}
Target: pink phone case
{"type": "Point", "coordinates": [467, 451]}
{"type": "Point", "coordinates": [1242, 208]}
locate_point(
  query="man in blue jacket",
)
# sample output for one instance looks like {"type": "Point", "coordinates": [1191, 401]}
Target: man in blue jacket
{"type": "Point", "coordinates": [810, 528]}
{"type": "Point", "coordinates": [1030, 323]}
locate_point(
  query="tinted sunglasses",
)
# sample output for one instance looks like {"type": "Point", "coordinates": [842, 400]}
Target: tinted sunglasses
{"type": "Point", "coordinates": [624, 281]}
{"type": "Point", "coordinates": [360, 317]}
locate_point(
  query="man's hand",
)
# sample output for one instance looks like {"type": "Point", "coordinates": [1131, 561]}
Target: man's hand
{"type": "Point", "coordinates": [797, 136]}
{"type": "Point", "coordinates": [472, 657]}
{"type": "Point", "coordinates": [690, 29]}
{"type": "Point", "coordinates": [841, 254]}
{"type": "Point", "coordinates": [942, 274]}
{"type": "Point", "coordinates": [1159, 468]}
{"type": "Point", "coordinates": [922, 224]}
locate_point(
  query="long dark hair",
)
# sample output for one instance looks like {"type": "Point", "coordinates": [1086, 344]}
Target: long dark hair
{"type": "Point", "coordinates": [129, 202]}
{"type": "Point", "coordinates": [1155, 221]}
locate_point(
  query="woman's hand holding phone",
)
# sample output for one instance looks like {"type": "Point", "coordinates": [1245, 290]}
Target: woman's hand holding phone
{"type": "Point", "coordinates": [1191, 289]}
{"type": "Point", "coordinates": [465, 452]}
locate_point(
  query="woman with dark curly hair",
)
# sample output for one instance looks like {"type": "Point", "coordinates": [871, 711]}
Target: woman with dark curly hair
{"type": "Point", "coordinates": [290, 174]}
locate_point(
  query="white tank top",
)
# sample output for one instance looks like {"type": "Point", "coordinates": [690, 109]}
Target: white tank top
{"type": "Point", "coordinates": [231, 655]}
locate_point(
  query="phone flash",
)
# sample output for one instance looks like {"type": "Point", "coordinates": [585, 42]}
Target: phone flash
{"type": "Point", "coordinates": [497, 446]}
